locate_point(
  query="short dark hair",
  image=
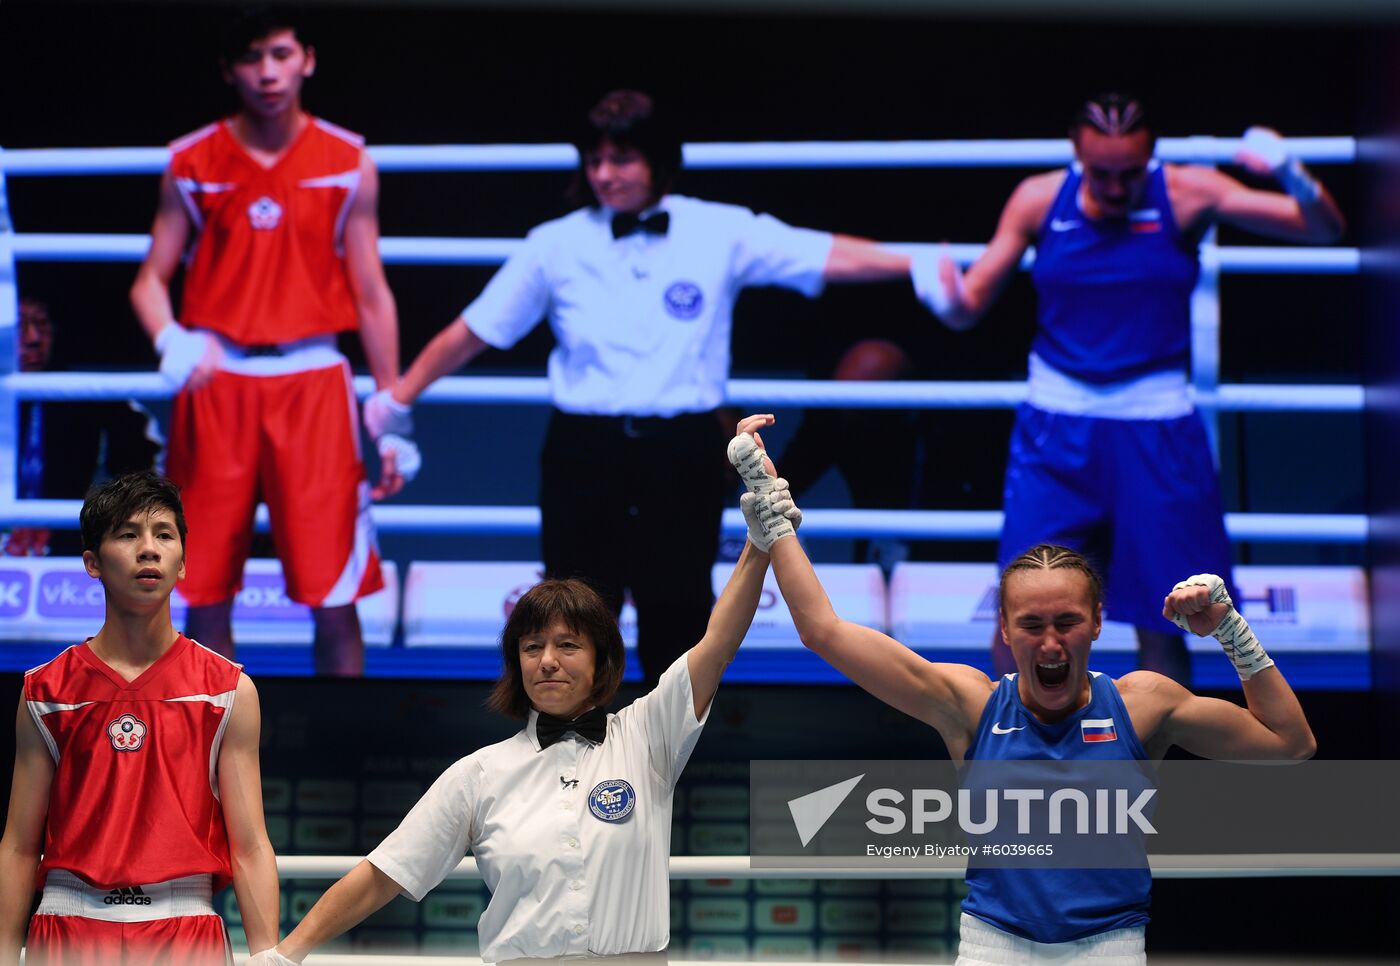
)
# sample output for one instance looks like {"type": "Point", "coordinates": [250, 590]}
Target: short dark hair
{"type": "Point", "coordinates": [579, 608]}
{"type": "Point", "coordinates": [252, 22]}
{"type": "Point", "coordinates": [629, 119]}
{"type": "Point", "coordinates": [1051, 556]}
{"type": "Point", "coordinates": [109, 505]}
{"type": "Point", "coordinates": [1114, 113]}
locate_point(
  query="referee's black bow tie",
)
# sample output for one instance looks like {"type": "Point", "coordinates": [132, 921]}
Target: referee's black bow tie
{"type": "Point", "coordinates": [624, 224]}
{"type": "Point", "coordinates": [592, 724]}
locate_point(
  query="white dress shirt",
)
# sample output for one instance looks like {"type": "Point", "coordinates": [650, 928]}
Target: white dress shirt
{"type": "Point", "coordinates": [643, 322]}
{"type": "Point", "coordinates": [575, 863]}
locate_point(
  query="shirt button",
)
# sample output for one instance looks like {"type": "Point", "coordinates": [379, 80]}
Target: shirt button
{"type": "Point", "coordinates": [566, 806]}
{"type": "Point", "coordinates": [578, 930]}
{"type": "Point", "coordinates": [573, 843]}
{"type": "Point", "coordinates": [576, 885]}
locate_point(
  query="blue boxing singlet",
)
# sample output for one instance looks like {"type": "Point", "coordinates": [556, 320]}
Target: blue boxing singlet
{"type": "Point", "coordinates": [1114, 294]}
{"type": "Point", "coordinates": [1054, 905]}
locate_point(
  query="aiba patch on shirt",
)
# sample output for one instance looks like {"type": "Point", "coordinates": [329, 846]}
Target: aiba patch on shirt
{"type": "Point", "coordinates": [265, 214]}
{"type": "Point", "coordinates": [612, 800]}
{"type": "Point", "coordinates": [128, 733]}
{"type": "Point", "coordinates": [684, 300]}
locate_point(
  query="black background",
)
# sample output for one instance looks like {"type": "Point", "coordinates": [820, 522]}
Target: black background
{"type": "Point", "coordinates": [143, 73]}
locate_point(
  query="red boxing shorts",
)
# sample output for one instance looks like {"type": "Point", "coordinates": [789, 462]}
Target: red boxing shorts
{"type": "Point", "coordinates": [292, 440]}
{"type": "Point", "coordinates": [169, 922]}
{"type": "Point", "coordinates": [75, 941]}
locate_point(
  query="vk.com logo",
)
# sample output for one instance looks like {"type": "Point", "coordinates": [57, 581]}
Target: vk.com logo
{"type": "Point", "coordinates": [14, 592]}
{"type": "Point", "coordinates": [70, 594]}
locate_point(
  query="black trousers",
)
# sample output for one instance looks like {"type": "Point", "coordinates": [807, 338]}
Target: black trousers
{"type": "Point", "coordinates": [634, 503]}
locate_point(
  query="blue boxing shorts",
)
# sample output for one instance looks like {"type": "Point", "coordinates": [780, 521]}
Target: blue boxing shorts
{"type": "Point", "coordinates": [1139, 497]}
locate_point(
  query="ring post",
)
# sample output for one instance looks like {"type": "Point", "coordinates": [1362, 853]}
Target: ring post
{"type": "Point", "coordinates": [1205, 341]}
{"type": "Point", "coordinates": [9, 343]}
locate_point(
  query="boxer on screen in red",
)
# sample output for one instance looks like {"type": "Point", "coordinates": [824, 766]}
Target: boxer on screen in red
{"type": "Point", "coordinates": [275, 214]}
{"type": "Point", "coordinates": [136, 770]}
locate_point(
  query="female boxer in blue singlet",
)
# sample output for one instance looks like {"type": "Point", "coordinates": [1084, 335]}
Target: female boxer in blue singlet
{"type": "Point", "coordinates": [1108, 455]}
{"type": "Point", "coordinates": [1052, 707]}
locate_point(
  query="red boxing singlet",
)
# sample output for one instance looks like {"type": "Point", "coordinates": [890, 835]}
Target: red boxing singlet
{"type": "Point", "coordinates": [134, 796]}
{"type": "Point", "coordinates": [267, 261]}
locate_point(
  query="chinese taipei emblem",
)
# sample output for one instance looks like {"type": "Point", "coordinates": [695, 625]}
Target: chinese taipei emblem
{"type": "Point", "coordinates": [265, 214]}
{"type": "Point", "coordinates": [612, 800]}
{"type": "Point", "coordinates": [127, 733]}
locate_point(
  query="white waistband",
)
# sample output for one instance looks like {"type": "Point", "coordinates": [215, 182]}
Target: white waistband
{"type": "Point", "coordinates": [302, 355]}
{"type": "Point", "coordinates": [1159, 395]}
{"type": "Point", "coordinates": [580, 959]}
{"type": "Point", "coordinates": [67, 895]}
{"type": "Point", "coordinates": [982, 944]}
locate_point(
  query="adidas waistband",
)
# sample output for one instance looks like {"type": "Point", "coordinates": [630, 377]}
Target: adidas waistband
{"type": "Point", "coordinates": [67, 895]}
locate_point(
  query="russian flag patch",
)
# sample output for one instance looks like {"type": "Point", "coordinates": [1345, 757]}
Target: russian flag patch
{"type": "Point", "coordinates": [1098, 729]}
{"type": "Point", "coordinates": [1145, 221]}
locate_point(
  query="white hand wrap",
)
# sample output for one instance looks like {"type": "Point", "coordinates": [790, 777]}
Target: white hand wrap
{"type": "Point", "coordinates": [747, 457]}
{"type": "Point", "coordinates": [770, 516]}
{"type": "Point", "coordinates": [180, 351]}
{"type": "Point", "coordinates": [1233, 632]}
{"type": "Point", "coordinates": [385, 414]}
{"type": "Point", "coordinates": [928, 285]}
{"type": "Point", "coordinates": [408, 458]}
{"type": "Point", "coordinates": [270, 957]}
{"type": "Point", "coordinates": [1291, 175]}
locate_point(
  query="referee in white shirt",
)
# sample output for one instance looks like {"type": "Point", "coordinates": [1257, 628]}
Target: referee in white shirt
{"type": "Point", "coordinates": [639, 288]}
{"type": "Point", "coordinates": [570, 820]}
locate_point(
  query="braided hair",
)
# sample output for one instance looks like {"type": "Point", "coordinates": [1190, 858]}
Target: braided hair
{"type": "Point", "coordinates": [1114, 114]}
{"type": "Point", "coordinates": [1050, 556]}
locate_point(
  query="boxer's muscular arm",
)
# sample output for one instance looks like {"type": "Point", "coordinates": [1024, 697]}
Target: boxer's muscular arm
{"type": "Point", "coordinates": [150, 292]}
{"type": "Point", "coordinates": [374, 302]}
{"type": "Point", "coordinates": [188, 359]}
{"type": "Point", "coordinates": [24, 832]}
{"type": "Point", "coordinates": [255, 881]}
{"type": "Point", "coordinates": [1016, 230]}
{"type": "Point", "coordinates": [949, 697]}
{"type": "Point", "coordinates": [1271, 727]}
{"type": "Point", "coordinates": [1305, 211]}
{"type": "Point", "coordinates": [1207, 194]}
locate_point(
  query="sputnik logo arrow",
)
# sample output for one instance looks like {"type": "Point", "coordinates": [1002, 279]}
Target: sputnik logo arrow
{"type": "Point", "coordinates": [811, 811]}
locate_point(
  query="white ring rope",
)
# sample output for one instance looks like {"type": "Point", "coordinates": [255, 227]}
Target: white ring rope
{"type": "Point", "coordinates": [741, 392]}
{"type": "Point", "coordinates": [1020, 152]}
{"type": "Point", "coordinates": [524, 521]}
{"type": "Point", "coordinates": [740, 867]}
{"type": "Point", "coordinates": [517, 390]}
{"type": "Point", "coordinates": [406, 250]}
